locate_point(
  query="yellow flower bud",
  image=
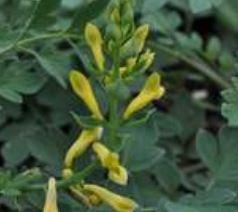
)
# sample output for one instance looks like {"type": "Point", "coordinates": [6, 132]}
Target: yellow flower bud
{"type": "Point", "coordinates": [83, 89]}
{"type": "Point", "coordinates": [147, 59]}
{"type": "Point", "coordinates": [152, 90]}
{"type": "Point", "coordinates": [51, 197]}
{"type": "Point", "coordinates": [81, 144]}
{"type": "Point", "coordinates": [137, 42]}
{"type": "Point", "coordinates": [115, 15]}
{"type": "Point", "coordinates": [131, 62]}
{"type": "Point", "coordinates": [78, 194]}
{"type": "Point", "coordinates": [118, 175]}
{"type": "Point", "coordinates": [94, 199]}
{"type": "Point", "coordinates": [95, 41]}
{"type": "Point", "coordinates": [117, 202]}
{"type": "Point", "coordinates": [110, 160]}
{"type": "Point", "coordinates": [140, 36]}
{"type": "Point", "coordinates": [67, 173]}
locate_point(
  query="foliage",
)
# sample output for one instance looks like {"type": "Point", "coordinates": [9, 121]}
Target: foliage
{"type": "Point", "coordinates": [179, 151]}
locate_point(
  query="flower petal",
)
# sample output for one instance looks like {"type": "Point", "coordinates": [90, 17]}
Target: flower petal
{"type": "Point", "coordinates": [152, 90]}
{"type": "Point", "coordinates": [117, 202]}
{"type": "Point", "coordinates": [51, 197]}
{"type": "Point", "coordinates": [83, 89]}
{"type": "Point", "coordinates": [81, 144]}
{"type": "Point", "coordinates": [94, 40]}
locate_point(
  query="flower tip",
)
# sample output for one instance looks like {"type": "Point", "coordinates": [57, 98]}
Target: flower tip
{"type": "Point", "coordinates": [51, 197]}
{"type": "Point", "coordinates": [142, 32]}
{"type": "Point", "coordinates": [92, 34]}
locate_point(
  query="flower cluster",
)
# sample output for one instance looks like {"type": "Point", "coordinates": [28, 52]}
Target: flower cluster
{"type": "Point", "coordinates": [125, 45]}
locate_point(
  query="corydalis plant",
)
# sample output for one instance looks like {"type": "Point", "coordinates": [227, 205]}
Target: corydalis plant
{"type": "Point", "coordinates": [118, 58]}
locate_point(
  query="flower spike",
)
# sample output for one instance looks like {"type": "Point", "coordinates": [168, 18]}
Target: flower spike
{"type": "Point", "coordinates": [152, 90]}
{"type": "Point", "coordinates": [51, 197]}
{"type": "Point", "coordinates": [95, 41]}
{"type": "Point", "coordinates": [110, 160]}
{"type": "Point", "coordinates": [81, 144]}
{"type": "Point", "coordinates": [83, 89]}
{"type": "Point", "coordinates": [117, 202]}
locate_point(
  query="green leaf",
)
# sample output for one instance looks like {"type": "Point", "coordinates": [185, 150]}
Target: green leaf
{"type": "Point", "coordinates": [164, 21]}
{"type": "Point", "coordinates": [192, 119]}
{"type": "Point", "coordinates": [144, 190]}
{"type": "Point", "coordinates": [167, 175]}
{"type": "Point", "coordinates": [55, 64]}
{"type": "Point", "coordinates": [7, 38]}
{"type": "Point", "coordinates": [44, 14]}
{"type": "Point", "coordinates": [207, 148]}
{"type": "Point", "coordinates": [230, 105]}
{"type": "Point", "coordinates": [87, 13]}
{"type": "Point", "coordinates": [15, 149]}
{"type": "Point", "coordinates": [140, 150]}
{"type": "Point", "coordinates": [213, 48]}
{"type": "Point", "coordinates": [198, 6]}
{"type": "Point", "coordinates": [168, 125]}
{"type": "Point", "coordinates": [221, 157]}
{"type": "Point", "coordinates": [18, 79]}
{"type": "Point", "coordinates": [178, 207]}
{"type": "Point", "coordinates": [49, 147]}
{"type": "Point", "coordinates": [212, 196]}
{"type": "Point", "coordinates": [153, 5]}
{"type": "Point", "coordinates": [226, 60]}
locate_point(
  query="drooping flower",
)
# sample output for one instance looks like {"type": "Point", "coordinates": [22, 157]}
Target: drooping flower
{"type": "Point", "coordinates": [95, 41]}
{"type": "Point", "coordinates": [110, 160]}
{"type": "Point", "coordinates": [117, 202]}
{"type": "Point", "coordinates": [152, 90]}
{"type": "Point", "coordinates": [51, 197]}
{"type": "Point", "coordinates": [83, 89]}
{"type": "Point", "coordinates": [81, 144]}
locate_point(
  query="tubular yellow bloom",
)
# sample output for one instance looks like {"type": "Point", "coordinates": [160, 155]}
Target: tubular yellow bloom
{"type": "Point", "coordinates": [117, 202]}
{"type": "Point", "coordinates": [51, 197]}
{"type": "Point", "coordinates": [152, 90]}
{"type": "Point", "coordinates": [110, 160]}
{"type": "Point", "coordinates": [95, 41]}
{"type": "Point", "coordinates": [81, 144]}
{"type": "Point", "coordinates": [83, 89]}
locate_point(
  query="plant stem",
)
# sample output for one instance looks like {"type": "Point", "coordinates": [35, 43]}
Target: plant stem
{"type": "Point", "coordinates": [195, 63]}
{"type": "Point", "coordinates": [75, 179]}
{"type": "Point", "coordinates": [34, 39]}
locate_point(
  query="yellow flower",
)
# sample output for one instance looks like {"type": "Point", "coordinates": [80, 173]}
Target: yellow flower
{"type": "Point", "coordinates": [117, 202]}
{"type": "Point", "coordinates": [95, 41]}
{"type": "Point", "coordinates": [51, 197]}
{"type": "Point", "coordinates": [81, 144]}
{"type": "Point", "coordinates": [152, 90]}
{"type": "Point", "coordinates": [147, 58]}
{"type": "Point", "coordinates": [83, 89]}
{"type": "Point", "coordinates": [110, 160]}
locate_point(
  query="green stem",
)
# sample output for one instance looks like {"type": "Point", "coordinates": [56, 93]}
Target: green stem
{"type": "Point", "coordinates": [37, 38]}
{"type": "Point", "coordinates": [195, 63]}
{"type": "Point", "coordinates": [66, 183]}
